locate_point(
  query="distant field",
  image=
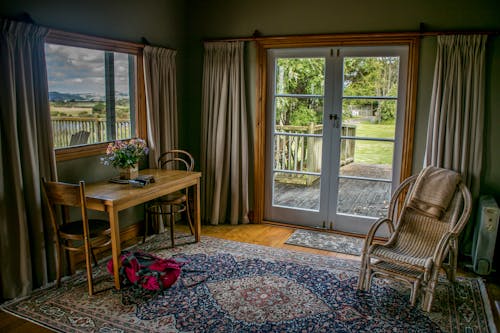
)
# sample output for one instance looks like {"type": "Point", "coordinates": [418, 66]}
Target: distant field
{"type": "Point", "coordinates": [374, 152]}
{"type": "Point", "coordinates": [74, 109]}
{"type": "Point", "coordinates": [70, 110]}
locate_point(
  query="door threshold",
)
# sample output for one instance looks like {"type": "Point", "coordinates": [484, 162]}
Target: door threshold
{"type": "Point", "coordinates": [343, 233]}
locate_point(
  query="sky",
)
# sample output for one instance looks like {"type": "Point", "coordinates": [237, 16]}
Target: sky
{"type": "Point", "coordinates": [80, 70]}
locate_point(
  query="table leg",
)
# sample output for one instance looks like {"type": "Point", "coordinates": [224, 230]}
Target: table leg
{"type": "Point", "coordinates": [115, 245]}
{"type": "Point", "coordinates": [197, 213]}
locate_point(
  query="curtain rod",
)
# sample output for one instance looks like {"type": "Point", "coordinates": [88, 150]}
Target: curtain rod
{"type": "Point", "coordinates": [359, 34]}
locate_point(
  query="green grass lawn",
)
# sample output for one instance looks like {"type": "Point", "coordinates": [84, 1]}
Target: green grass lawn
{"type": "Point", "coordinates": [374, 152]}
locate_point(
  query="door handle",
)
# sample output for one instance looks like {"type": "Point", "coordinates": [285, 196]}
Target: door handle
{"type": "Point", "coordinates": [335, 119]}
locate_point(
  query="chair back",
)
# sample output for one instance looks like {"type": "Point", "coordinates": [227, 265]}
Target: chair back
{"type": "Point", "coordinates": [79, 138]}
{"type": "Point", "coordinates": [418, 233]}
{"type": "Point", "coordinates": [65, 195]}
{"type": "Point", "coordinates": [176, 159]}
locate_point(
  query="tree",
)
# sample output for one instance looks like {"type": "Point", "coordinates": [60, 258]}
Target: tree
{"type": "Point", "coordinates": [99, 108]}
{"type": "Point", "coordinates": [372, 76]}
{"type": "Point", "coordinates": [363, 76]}
{"type": "Point", "coordinates": [299, 76]}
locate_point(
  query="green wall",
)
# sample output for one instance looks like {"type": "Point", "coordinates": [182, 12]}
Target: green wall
{"type": "Point", "coordinates": [162, 22]}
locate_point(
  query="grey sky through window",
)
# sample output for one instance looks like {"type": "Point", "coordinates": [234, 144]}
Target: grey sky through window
{"type": "Point", "coordinates": [77, 70]}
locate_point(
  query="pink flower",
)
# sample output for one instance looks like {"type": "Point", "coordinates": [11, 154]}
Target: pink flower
{"type": "Point", "coordinates": [124, 154]}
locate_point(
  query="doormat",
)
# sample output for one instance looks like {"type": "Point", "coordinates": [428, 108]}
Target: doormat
{"type": "Point", "coordinates": [326, 241]}
{"type": "Point", "coordinates": [228, 286]}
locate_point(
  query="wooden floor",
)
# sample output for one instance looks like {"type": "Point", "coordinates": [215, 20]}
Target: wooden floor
{"type": "Point", "coordinates": [263, 234]}
{"type": "Point", "coordinates": [358, 197]}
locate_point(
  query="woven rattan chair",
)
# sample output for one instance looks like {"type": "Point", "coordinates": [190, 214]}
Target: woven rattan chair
{"type": "Point", "coordinates": [419, 245]}
{"type": "Point", "coordinates": [165, 208]}
{"type": "Point", "coordinates": [83, 235]}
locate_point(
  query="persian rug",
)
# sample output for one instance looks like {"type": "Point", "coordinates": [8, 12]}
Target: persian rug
{"type": "Point", "coordinates": [228, 286]}
{"type": "Point", "coordinates": [326, 241]}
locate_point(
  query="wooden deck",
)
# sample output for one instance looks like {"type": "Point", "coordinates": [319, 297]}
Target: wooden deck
{"type": "Point", "coordinates": [357, 197]}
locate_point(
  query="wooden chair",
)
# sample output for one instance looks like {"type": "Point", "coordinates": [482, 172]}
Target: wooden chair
{"type": "Point", "coordinates": [419, 244]}
{"type": "Point", "coordinates": [77, 236]}
{"type": "Point", "coordinates": [168, 206]}
{"type": "Point", "coordinates": [79, 138]}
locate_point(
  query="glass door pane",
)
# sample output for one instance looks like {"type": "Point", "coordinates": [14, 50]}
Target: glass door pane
{"type": "Point", "coordinates": [369, 110]}
{"type": "Point", "coordinates": [298, 132]}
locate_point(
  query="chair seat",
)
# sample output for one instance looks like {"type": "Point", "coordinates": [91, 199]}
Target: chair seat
{"type": "Point", "coordinates": [409, 273]}
{"type": "Point", "coordinates": [175, 198]}
{"type": "Point", "coordinates": [396, 254]}
{"type": "Point", "coordinates": [97, 228]}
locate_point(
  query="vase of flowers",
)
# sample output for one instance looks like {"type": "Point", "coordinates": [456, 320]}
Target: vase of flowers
{"type": "Point", "coordinates": [125, 156]}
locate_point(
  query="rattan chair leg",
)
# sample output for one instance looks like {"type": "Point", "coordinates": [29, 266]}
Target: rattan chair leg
{"type": "Point", "coordinates": [368, 279]}
{"type": "Point", "coordinates": [362, 277]}
{"type": "Point", "coordinates": [429, 296]}
{"type": "Point", "coordinates": [414, 292]}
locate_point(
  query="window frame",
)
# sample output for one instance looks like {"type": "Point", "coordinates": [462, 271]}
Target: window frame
{"type": "Point", "coordinates": [103, 44]}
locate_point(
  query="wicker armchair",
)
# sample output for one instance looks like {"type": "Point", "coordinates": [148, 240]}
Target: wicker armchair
{"type": "Point", "coordinates": [419, 244]}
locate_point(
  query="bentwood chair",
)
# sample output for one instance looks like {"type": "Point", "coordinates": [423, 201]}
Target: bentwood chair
{"type": "Point", "coordinates": [166, 208]}
{"type": "Point", "coordinates": [82, 235]}
{"type": "Point", "coordinates": [423, 236]}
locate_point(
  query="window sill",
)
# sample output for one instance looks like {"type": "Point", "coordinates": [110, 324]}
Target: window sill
{"type": "Point", "coordinates": [71, 153]}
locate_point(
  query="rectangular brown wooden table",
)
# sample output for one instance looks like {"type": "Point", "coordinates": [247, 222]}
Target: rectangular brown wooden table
{"type": "Point", "coordinates": [112, 198]}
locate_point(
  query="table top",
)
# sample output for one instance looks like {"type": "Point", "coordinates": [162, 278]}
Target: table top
{"type": "Point", "coordinates": [122, 196]}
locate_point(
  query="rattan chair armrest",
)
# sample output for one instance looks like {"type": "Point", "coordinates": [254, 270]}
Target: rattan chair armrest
{"type": "Point", "coordinates": [371, 233]}
{"type": "Point", "coordinates": [467, 209]}
{"type": "Point", "coordinates": [397, 197]}
{"type": "Point", "coordinates": [441, 249]}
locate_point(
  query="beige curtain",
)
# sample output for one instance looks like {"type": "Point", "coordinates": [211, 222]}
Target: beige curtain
{"type": "Point", "coordinates": [26, 248]}
{"type": "Point", "coordinates": [455, 132]}
{"type": "Point", "coordinates": [161, 100]}
{"type": "Point", "coordinates": [224, 147]}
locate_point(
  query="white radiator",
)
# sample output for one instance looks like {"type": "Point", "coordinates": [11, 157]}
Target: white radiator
{"type": "Point", "coordinates": [485, 235]}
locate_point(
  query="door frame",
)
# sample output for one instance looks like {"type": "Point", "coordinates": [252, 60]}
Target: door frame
{"type": "Point", "coordinates": [377, 39]}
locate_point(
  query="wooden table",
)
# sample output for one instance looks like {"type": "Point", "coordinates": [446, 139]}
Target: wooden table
{"type": "Point", "coordinates": [112, 198]}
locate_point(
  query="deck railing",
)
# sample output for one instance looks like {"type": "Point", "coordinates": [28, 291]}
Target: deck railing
{"type": "Point", "coordinates": [298, 149]}
{"type": "Point", "coordinates": [295, 148]}
{"type": "Point", "coordinates": [64, 128]}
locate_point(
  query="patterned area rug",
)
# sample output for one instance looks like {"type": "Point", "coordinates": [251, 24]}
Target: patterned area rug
{"type": "Point", "coordinates": [326, 241]}
{"type": "Point", "coordinates": [228, 286]}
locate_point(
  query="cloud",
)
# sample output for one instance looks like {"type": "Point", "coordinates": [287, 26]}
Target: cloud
{"type": "Point", "coordinates": [81, 70]}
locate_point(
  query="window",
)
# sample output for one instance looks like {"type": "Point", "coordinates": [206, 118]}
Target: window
{"type": "Point", "coordinates": [94, 93]}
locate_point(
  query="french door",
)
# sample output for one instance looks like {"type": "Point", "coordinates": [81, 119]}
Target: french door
{"type": "Point", "coordinates": [333, 143]}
